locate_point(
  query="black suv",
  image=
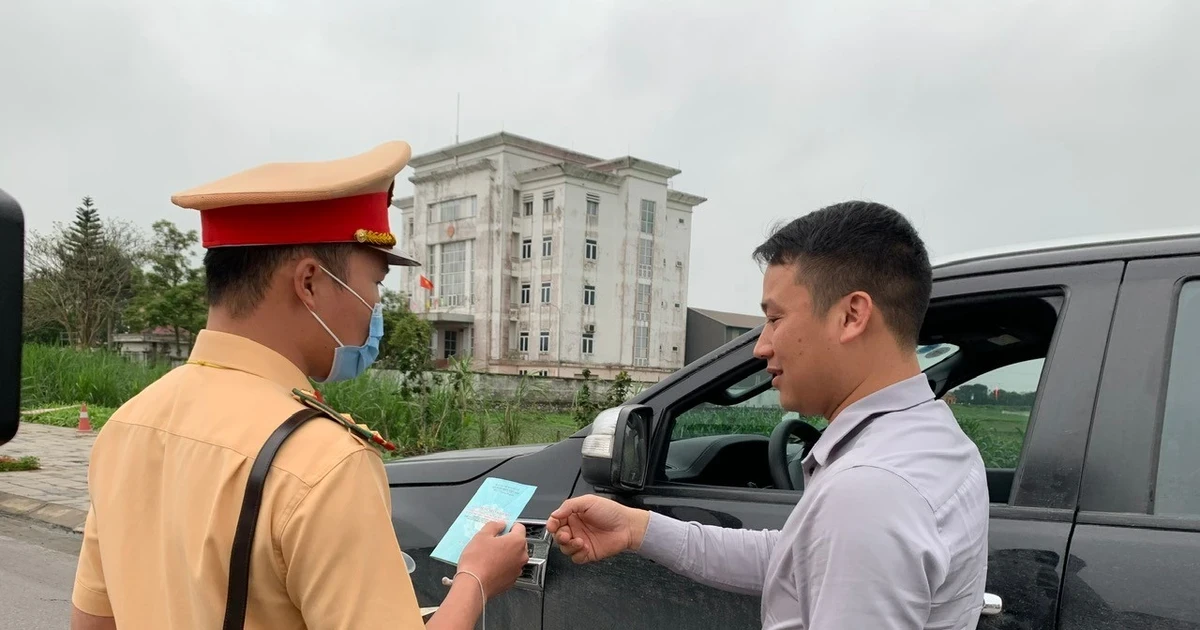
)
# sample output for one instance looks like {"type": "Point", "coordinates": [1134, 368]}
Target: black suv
{"type": "Point", "coordinates": [1076, 369]}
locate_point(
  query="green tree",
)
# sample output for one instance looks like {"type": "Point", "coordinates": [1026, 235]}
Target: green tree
{"type": "Point", "coordinates": [585, 406]}
{"type": "Point", "coordinates": [406, 337]}
{"type": "Point", "coordinates": [80, 277]}
{"type": "Point", "coordinates": [618, 393]}
{"type": "Point", "coordinates": [171, 292]}
{"type": "Point", "coordinates": [82, 238]}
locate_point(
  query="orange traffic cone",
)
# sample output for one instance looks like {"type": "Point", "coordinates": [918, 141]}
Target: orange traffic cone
{"type": "Point", "coordinates": [85, 422]}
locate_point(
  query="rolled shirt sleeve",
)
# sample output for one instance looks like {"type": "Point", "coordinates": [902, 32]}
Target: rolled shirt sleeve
{"type": "Point", "coordinates": [869, 555]}
{"type": "Point", "coordinates": [734, 560]}
{"type": "Point", "coordinates": [90, 593]}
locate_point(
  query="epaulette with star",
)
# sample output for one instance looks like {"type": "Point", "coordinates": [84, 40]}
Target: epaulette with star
{"type": "Point", "coordinates": [316, 401]}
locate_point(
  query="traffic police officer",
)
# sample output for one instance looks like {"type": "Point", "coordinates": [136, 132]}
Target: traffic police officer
{"type": "Point", "coordinates": [295, 256]}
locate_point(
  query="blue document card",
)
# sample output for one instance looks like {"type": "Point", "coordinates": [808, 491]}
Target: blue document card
{"type": "Point", "coordinates": [496, 500]}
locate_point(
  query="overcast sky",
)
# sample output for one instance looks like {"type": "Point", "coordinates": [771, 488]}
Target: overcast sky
{"type": "Point", "coordinates": [988, 125]}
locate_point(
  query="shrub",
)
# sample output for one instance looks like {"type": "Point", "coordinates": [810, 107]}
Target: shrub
{"type": "Point", "coordinates": [58, 376]}
{"type": "Point", "coordinates": [8, 464]}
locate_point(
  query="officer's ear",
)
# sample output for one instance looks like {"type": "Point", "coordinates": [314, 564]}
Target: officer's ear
{"type": "Point", "coordinates": [304, 275]}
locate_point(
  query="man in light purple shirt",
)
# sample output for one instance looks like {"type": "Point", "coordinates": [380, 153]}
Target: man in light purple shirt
{"type": "Point", "coordinates": [892, 529]}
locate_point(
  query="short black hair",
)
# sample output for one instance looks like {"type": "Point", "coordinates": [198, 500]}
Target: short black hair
{"type": "Point", "coordinates": [858, 246]}
{"type": "Point", "coordinates": [237, 278]}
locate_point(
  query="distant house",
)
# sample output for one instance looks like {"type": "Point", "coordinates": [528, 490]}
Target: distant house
{"type": "Point", "coordinates": [157, 344]}
{"type": "Point", "coordinates": [708, 330]}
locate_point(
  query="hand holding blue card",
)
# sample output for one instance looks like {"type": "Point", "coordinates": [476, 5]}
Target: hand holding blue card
{"type": "Point", "coordinates": [496, 500]}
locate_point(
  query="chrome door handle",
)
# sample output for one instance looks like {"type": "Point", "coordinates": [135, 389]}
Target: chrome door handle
{"type": "Point", "coordinates": [992, 605]}
{"type": "Point", "coordinates": [537, 537]}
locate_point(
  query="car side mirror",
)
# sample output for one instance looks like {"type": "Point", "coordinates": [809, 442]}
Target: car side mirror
{"type": "Point", "coordinates": [616, 454]}
{"type": "Point", "coordinates": [12, 289]}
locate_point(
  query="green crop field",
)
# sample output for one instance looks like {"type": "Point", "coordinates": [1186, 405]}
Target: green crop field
{"type": "Point", "coordinates": [998, 431]}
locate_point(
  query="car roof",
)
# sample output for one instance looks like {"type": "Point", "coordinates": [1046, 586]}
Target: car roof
{"type": "Point", "coordinates": [1081, 250]}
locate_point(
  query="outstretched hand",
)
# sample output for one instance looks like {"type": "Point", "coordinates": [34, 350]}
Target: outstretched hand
{"type": "Point", "coordinates": [590, 528]}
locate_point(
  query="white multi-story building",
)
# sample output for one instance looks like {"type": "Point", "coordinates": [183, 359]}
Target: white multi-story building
{"type": "Point", "coordinates": [547, 261]}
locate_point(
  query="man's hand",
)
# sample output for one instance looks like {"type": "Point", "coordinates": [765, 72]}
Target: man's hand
{"type": "Point", "coordinates": [590, 528]}
{"type": "Point", "coordinates": [496, 560]}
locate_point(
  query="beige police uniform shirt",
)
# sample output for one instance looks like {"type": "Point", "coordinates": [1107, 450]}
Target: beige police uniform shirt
{"type": "Point", "coordinates": [167, 476]}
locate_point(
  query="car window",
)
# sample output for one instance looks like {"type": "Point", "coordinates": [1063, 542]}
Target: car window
{"type": "Point", "coordinates": [993, 410]}
{"type": "Point", "coordinates": [984, 356]}
{"type": "Point", "coordinates": [755, 416]}
{"type": "Point", "coordinates": [1177, 490]}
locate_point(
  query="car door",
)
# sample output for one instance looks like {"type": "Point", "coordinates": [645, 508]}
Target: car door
{"type": "Point", "coordinates": [1034, 448]}
{"type": "Point", "coordinates": [1135, 555]}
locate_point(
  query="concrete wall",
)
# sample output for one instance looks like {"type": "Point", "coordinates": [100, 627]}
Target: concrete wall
{"type": "Point", "coordinates": [704, 334]}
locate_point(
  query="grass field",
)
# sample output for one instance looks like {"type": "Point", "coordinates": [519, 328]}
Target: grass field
{"type": "Point", "coordinates": [447, 416]}
{"type": "Point", "coordinates": [998, 432]}
{"type": "Point", "coordinates": [69, 417]}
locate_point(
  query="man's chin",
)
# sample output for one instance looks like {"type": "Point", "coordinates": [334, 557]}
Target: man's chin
{"type": "Point", "coordinates": [790, 403]}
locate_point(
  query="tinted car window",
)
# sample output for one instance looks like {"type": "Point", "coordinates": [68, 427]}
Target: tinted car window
{"type": "Point", "coordinates": [1178, 486]}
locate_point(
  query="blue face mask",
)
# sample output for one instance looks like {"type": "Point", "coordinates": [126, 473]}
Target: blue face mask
{"type": "Point", "coordinates": [351, 361]}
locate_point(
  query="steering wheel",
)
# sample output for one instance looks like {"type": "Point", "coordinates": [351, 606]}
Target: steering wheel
{"type": "Point", "coordinates": [787, 473]}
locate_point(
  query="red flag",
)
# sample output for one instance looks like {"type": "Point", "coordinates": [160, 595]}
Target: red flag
{"type": "Point", "coordinates": [426, 283]}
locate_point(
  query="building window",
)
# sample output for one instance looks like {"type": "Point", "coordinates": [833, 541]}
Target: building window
{"type": "Point", "coordinates": [548, 203]}
{"type": "Point", "coordinates": [449, 344]}
{"type": "Point", "coordinates": [589, 249]}
{"type": "Point", "coordinates": [526, 249]}
{"type": "Point", "coordinates": [733, 332]}
{"type": "Point", "coordinates": [431, 257]}
{"type": "Point", "coordinates": [527, 205]}
{"type": "Point", "coordinates": [588, 343]}
{"type": "Point", "coordinates": [523, 342]}
{"type": "Point", "coordinates": [452, 210]}
{"type": "Point", "coordinates": [525, 291]}
{"type": "Point", "coordinates": [589, 295]}
{"type": "Point", "coordinates": [641, 305]}
{"type": "Point", "coordinates": [647, 216]}
{"type": "Point", "coordinates": [643, 299]}
{"type": "Point", "coordinates": [542, 373]}
{"type": "Point", "coordinates": [641, 345]}
{"type": "Point", "coordinates": [593, 209]}
{"type": "Point", "coordinates": [545, 293]}
{"type": "Point", "coordinates": [453, 286]}
{"type": "Point", "coordinates": [547, 245]}
{"type": "Point", "coordinates": [544, 341]}
{"type": "Point", "coordinates": [645, 258]}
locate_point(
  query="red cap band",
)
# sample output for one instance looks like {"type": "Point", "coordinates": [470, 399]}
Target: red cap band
{"type": "Point", "coordinates": [300, 223]}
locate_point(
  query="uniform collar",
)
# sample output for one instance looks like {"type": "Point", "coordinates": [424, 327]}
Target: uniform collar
{"type": "Point", "coordinates": [234, 352]}
{"type": "Point", "coordinates": [898, 396]}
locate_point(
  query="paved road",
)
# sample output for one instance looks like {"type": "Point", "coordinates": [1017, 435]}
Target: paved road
{"type": "Point", "coordinates": [36, 574]}
{"type": "Point", "coordinates": [64, 456]}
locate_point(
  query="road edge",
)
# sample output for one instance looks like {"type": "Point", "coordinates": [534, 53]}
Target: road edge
{"type": "Point", "coordinates": [59, 516]}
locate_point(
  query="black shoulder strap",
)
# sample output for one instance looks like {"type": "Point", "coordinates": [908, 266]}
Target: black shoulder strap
{"type": "Point", "coordinates": [243, 537]}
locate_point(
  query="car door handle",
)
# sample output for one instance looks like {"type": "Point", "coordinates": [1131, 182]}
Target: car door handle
{"type": "Point", "coordinates": [537, 537]}
{"type": "Point", "coordinates": [992, 605]}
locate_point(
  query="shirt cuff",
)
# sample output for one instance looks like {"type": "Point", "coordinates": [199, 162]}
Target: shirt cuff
{"type": "Point", "coordinates": [91, 602]}
{"type": "Point", "coordinates": [664, 540]}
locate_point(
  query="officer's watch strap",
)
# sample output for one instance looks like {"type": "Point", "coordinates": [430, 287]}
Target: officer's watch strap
{"type": "Point", "coordinates": [243, 537]}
